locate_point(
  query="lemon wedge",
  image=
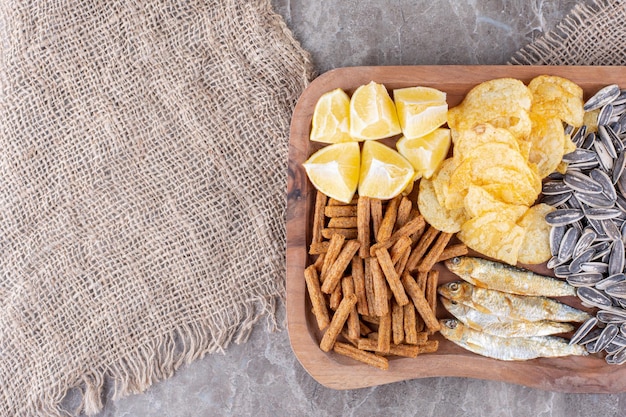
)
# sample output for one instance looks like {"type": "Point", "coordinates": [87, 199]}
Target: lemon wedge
{"type": "Point", "coordinates": [427, 152]}
{"type": "Point", "coordinates": [331, 118]}
{"type": "Point", "coordinates": [372, 113]}
{"type": "Point", "coordinates": [384, 172]}
{"type": "Point", "coordinates": [420, 110]}
{"type": "Point", "coordinates": [334, 170]}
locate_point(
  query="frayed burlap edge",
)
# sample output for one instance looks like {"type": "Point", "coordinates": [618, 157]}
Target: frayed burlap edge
{"type": "Point", "coordinates": [576, 39]}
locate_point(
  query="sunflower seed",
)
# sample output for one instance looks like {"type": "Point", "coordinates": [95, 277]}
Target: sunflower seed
{"type": "Point", "coordinates": [616, 259]}
{"type": "Point", "coordinates": [618, 167]}
{"type": "Point", "coordinates": [563, 217]}
{"type": "Point", "coordinates": [583, 279]}
{"type": "Point", "coordinates": [556, 199]}
{"type": "Point", "coordinates": [555, 261]}
{"type": "Point", "coordinates": [594, 200]}
{"type": "Point", "coordinates": [605, 182]}
{"type": "Point", "coordinates": [590, 337]}
{"type": "Point", "coordinates": [607, 335]}
{"type": "Point", "coordinates": [603, 97]}
{"type": "Point", "coordinates": [589, 140]}
{"type": "Point", "coordinates": [617, 142]}
{"type": "Point", "coordinates": [579, 136]}
{"type": "Point", "coordinates": [606, 316]}
{"type": "Point", "coordinates": [556, 236]}
{"type": "Point", "coordinates": [621, 99]}
{"type": "Point", "coordinates": [561, 271]}
{"type": "Point", "coordinates": [568, 243]}
{"type": "Point", "coordinates": [579, 155]}
{"type": "Point", "coordinates": [586, 239]}
{"type": "Point", "coordinates": [605, 115]}
{"type": "Point", "coordinates": [611, 229]}
{"type": "Point", "coordinates": [609, 281]}
{"type": "Point", "coordinates": [600, 267]}
{"type": "Point", "coordinates": [618, 358]}
{"type": "Point", "coordinates": [605, 159]}
{"type": "Point", "coordinates": [602, 213]}
{"type": "Point", "coordinates": [578, 261]}
{"type": "Point", "coordinates": [617, 290]}
{"type": "Point", "coordinates": [593, 297]}
{"type": "Point", "coordinates": [583, 330]}
{"type": "Point", "coordinates": [578, 181]}
{"type": "Point", "coordinates": [554, 187]}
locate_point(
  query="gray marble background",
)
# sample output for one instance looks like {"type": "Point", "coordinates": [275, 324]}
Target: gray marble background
{"type": "Point", "coordinates": [262, 377]}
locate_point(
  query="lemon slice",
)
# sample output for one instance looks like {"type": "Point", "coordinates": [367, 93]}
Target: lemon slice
{"type": "Point", "coordinates": [426, 153]}
{"type": "Point", "coordinates": [372, 113]}
{"type": "Point", "coordinates": [334, 170]}
{"type": "Point", "coordinates": [384, 172]}
{"type": "Point", "coordinates": [420, 110]}
{"type": "Point", "coordinates": [331, 118]}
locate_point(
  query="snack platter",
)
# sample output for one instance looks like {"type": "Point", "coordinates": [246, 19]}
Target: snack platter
{"type": "Point", "coordinates": [590, 374]}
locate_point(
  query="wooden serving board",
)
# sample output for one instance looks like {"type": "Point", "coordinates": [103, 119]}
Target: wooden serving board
{"type": "Point", "coordinates": [589, 374]}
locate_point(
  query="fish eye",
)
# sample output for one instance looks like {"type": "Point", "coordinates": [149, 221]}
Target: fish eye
{"type": "Point", "coordinates": [451, 324]}
{"type": "Point", "coordinates": [456, 260]}
{"type": "Point", "coordinates": [454, 286]}
{"type": "Point", "coordinates": [453, 302]}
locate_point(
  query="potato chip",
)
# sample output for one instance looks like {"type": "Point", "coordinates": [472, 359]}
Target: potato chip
{"type": "Point", "coordinates": [469, 139]}
{"type": "Point", "coordinates": [440, 218]}
{"type": "Point", "coordinates": [479, 201]}
{"type": "Point", "coordinates": [554, 96]}
{"type": "Point", "coordinates": [590, 119]}
{"type": "Point", "coordinates": [536, 246]}
{"type": "Point", "coordinates": [494, 234]}
{"type": "Point", "coordinates": [548, 143]}
{"type": "Point", "coordinates": [502, 102]}
{"type": "Point", "coordinates": [441, 180]}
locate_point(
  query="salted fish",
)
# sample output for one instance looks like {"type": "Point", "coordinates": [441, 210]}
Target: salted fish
{"type": "Point", "coordinates": [503, 326]}
{"type": "Point", "coordinates": [502, 277]}
{"type": "Point", "coordinates": [507, 348]}
{"type": "Point", "coordinates": [516, 307]}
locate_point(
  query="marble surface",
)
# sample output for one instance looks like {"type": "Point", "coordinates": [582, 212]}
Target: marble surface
{"type": "Point", "coordinates": [262, 377]}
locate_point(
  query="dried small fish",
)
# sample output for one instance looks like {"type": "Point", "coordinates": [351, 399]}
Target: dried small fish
{"type": "Point", "coordinates": [503, 277]}
{"type": "Point", "coordinates": [517, 307]}
{"type": "Point", "coordinates": [503, 327]}
{"type": "Point", "coordinates": [507, 348]}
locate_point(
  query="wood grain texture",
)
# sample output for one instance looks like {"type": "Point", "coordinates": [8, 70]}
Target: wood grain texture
{"type": "Point", "coordinates": [571, 374]}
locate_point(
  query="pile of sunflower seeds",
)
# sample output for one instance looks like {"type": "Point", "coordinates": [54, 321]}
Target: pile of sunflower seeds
{"type": "Point", "coordinates": [589, 224]}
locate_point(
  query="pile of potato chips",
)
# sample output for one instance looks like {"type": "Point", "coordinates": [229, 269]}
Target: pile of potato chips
{"type": "Point", "coordinates": [507, 137]}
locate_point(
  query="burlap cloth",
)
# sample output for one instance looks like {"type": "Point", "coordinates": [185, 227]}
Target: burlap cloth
{"type": "Point", "coordinates": [142, 188]}
{"type": "Point", "coordinates": [143, 152]}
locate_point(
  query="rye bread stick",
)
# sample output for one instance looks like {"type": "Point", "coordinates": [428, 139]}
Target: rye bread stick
{"type": "Point", "coordinates": [401, 264]}
{"type": "Point", "coordinates": [358, 277]}
{"type": "Point", "coordinates": [317, 248]}
{"type": "Point", "coordinates": [376, 214]}
{"type": "Point", "coordinates": [410, 324]}
{"type": "Point", "coordinates": [453, 251]}
{"type": "Point", "coordinates": [380, 289]}
{"type": "Point", "coordinates": [318, 216]}
{"type": "Point", "coordinates": [384, 332]}
{"type": "Point", "coordinates": [431, 288]}
{"type": "Point", "coordinates": [430, 346]}
{"type": "Point", "coordinates": [404, 211]}
{"type": "Point", "coordinates": [343, 222]}
{"type": "Point", "coordinates": [363, 226]}
{"type": "Point", "coordinates": [422, 246]}
{"type": "Point", "coordinates": [335, 298]}
{"type": "Point", "coordinates": [392, 276]}
{"type": "Point", "coordinates": [371, 345]}
{"type": "Point", "coordinates": [335, 271]}
{"type": "Point", "coordinates": [435, 252]}
{"type": "Point", "coordinates": [397, 322]}
{"type": "Point", "coordinates": [362, 356]}
{"type": "Point", "coordinates": [334, 248]}
{"type": "Point", "coordinates": [340, 211]}
{"type": "Point", "coordinates": [389, 220]}
{"type": "Point", "coordinates": [369, 287]}
{"type": "Point", "coordinates": [333, 202]}
{"type": "Point", "coordinates": [422, 306]}
{"type": "Point", "coordinates": [317, 298]}
{"type": "Point", "coordinates": [337, 322]}
{"type": "Point", "coordinates": [329, 232]}
{"type": "Point", "coordinates": [347, 287]}
{"type": "Point", "coordinates": [413, 226]}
